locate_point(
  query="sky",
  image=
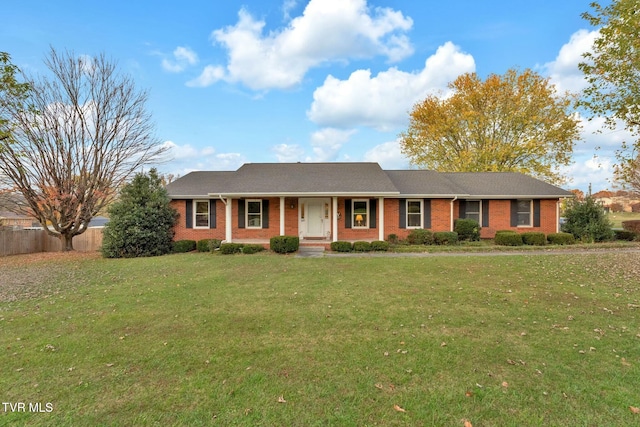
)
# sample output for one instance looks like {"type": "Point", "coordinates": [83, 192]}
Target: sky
{"type": "Point", "coordinates": [311, 81]}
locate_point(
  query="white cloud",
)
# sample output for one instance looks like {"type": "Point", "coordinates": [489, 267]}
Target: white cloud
{"type": "Point", "coordinates": [594, 171]}
{"type": "Point", "coordinates": [384, 101]}
{"type": "Point", "coordinates": [288, 152]}
{"type": "Point", "coordinates": [210, 75]}
{"type": "Point", "coordinates": [182, 58]}
{"type": "Point", "coordinates": [186, 158]}
{"type": "Point", "coordinates": [388, 155]}
{"type": "Point", "coordinates": [327, 143]}
{"type": "Point", "coordinates": [287, 7]}
{"type": "Point", "coordinates": [563, 71]}
{"type": "Point", "coordinates": [328, 30]}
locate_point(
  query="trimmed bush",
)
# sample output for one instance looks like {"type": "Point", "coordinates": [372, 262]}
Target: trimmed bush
{"type": "Point", "coordinates": [203, 245]}
{"type": "Point", "coordinates": [231, 248]}
{"type": "Point", "coordinates": [626, 235]}
{"type": "Point", "coordinates": [284, 244]}
{"type": "Point", "coordinates": [467, 229]}
{"type": "Point", "coordinates": [214, 244]}
{"type": "Point", "coordinates": [534, 238]}
{"type": "Point", "coordinates": [632, 225]}
{"type": "Point", "coordinates": [379, 245]}
{"type": "Point", "coordinates": [420, 236]}
{"type": "Point", "coordinates": [506, 231]}
{"type": "Point", "coordinates": [182, 246]}
{"type": "Point", "coordinates": [361, 246]}
{"type": "Point", "coordinates": [252, 249]}
{"type": "Point", "coordinates": [508, 239]}
{"type": "Point", "coordinates": [445, 238]}
{"type": "Point", "coordinates": [341, 246]}
{"type": "Point", "coordinates": [561, 238]}
{"type": "Point", "coordinates": [393, 239]}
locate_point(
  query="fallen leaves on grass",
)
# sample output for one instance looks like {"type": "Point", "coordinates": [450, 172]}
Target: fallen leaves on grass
{"type": "Point", "coordinates": [281, 399]}
{"type": "Point", "coordinates": [634, 409]}
{"type": "Point", "coordinates": [399, 409]}
{"type": "Point", "coordinates": [467, 423]}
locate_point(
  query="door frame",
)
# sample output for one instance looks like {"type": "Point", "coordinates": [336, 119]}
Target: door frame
{"type": "Point", "coordinates": [303, 217]}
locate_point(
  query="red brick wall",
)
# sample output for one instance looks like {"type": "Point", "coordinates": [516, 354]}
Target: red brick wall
{"type": "Point", "coordinates": [183, 233]}
{"type": "Point", "coordinates": [500, 218]}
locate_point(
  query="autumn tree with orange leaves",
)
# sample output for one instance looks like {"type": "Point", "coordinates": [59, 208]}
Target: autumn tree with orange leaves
{"type": "Point", "coordinates": [80, 135]}
{"type": "Point", "coordinates": [516, 122]}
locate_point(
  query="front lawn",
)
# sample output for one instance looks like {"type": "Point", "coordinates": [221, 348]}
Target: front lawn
{"type": "Point", "coordinates": [202, 339]}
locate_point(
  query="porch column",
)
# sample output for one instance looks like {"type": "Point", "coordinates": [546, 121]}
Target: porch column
{"type": "Point", "coordinates": [334, 216]}
{"type": "Point", "coordinates": [228, 220]}
{"type": "Point", "coordinates": [381, 218]}
{"type": "Point", "coordinates": [282, 216]}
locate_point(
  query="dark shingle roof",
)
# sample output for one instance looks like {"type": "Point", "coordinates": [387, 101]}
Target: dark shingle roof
{"type": "Point", "coordinates": [367, 179]}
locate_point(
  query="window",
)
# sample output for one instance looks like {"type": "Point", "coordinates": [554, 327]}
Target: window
{"type": "Point", "coordinates": [414, 213]}
{"type": "Point", "coordinates": [473, 209]}
{"type": "Point", "coordinates": [360, 214]}
{"type": "Point", "coordinates": [254, 213]}
{"type": "Point", "coordinates": [524, 213]}
{"type": "Point", "coordinates": [201, 214]}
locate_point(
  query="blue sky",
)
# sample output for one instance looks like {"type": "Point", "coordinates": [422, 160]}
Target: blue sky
{"type": "Point", "coordinates": [319, 80]}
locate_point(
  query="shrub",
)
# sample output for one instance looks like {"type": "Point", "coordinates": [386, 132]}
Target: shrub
{"type": "Point", "coordinates": [284, 244]}
{"type": "Point", "coordinates": [506, 231]}
{"type": "Point", "coordinates": [534, 238]}
{"type": "Point", "coordinates": [467, 229]}
{"type": "Point", "coordinates": [203, 245]}
{"type": "Point", "coordinates": [379, 245]}
{"type": "Point", "coordinates": [445, 238]}
{"type": "Point", "coordinates": [231, 248]}
{"type": "Point", "coordinates": [508, 239]}
{"type": "Point", "coordinates": [627, 235]}
{"type": "Point", "coordinates": [587, 221]}
{"type": "Point", "coordinates": [341, 246]}
{"type": "Point", "coordinates": [420, 236]}
{"type": "Point", "coordinates": [252, 249]}
{"type": "Point", "coordinates": [561, 238]}
{"type": "Point", "coordinates": [633, 225]}
{"type": "Point", "coordinates": [214, 244]}
{"type": "Point", "coordinates": [393, 239]}
{"type": "Point", "coordinates": [361, 246]}
{"type": "Point", "coordinates": [141, 221]}
{"type": "Point", "coordinates": [182, 246]}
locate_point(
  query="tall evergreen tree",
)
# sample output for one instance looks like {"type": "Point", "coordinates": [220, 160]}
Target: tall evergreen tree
{"type": "Point", "coordinates": [141, 221]}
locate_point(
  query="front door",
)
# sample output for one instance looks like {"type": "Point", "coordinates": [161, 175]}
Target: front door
{"type": "Point", "coordinates": [314, 218]}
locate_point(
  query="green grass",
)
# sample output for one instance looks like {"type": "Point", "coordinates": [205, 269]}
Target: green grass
{"type": "Point", "coordinates": [617, 218]}
{"type": "Point", "coordinates": [201, 339]}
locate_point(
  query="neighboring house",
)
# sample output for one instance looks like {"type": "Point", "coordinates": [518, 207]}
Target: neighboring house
{"type": "Point", "coordinates": [14, 220]}
{"type": "Point", "coordinates": [355, 201]}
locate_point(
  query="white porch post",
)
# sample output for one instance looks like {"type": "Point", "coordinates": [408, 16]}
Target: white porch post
{"type": "Point", "coordinates": [334, 216]}
{"type": "Point", "coordinates": [282, 207]}
{"type": "Point", "coordinates": [228, 220]}
{"type": "Point", "coordinates": [381, 218]}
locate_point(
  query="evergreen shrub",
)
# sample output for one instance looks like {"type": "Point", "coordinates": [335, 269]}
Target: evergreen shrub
{"type": "Point", "coordinates": [361, 246]}
{"type": "Point", "coordinates": [445, 237]}
{"type": "Point", "coordinates": [182, 246]}
{"type": "Point", "coordinates": [467, 229]}
{"type": "Point", "coordinates": [379, 245]}
{"type": "Point", "coordinates": [534, 238]}
{"type": "Point", "coordinates": [284, 244]}
{"type": "Point", "coordinates": [420, 236]}
{"type": "Point", "coordinates": [508, 239]}
{"type": "Point", "coordinates": [561, 238]}
{"type": "Point", "coordinates": [341, 246]}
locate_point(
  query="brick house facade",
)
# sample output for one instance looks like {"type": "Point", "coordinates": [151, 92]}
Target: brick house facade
{"type": "Point", "coordinates": [324, 202]}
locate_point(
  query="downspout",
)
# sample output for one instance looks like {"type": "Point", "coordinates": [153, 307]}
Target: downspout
{"type": "Point", "coordinates": [451, 214]}
{"type": "Point", "coordinates": [223, 200]}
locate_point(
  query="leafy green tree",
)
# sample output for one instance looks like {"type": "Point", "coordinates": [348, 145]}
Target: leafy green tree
{"type": "Point", "coordinates": [587, 220]}
{"type": "Point", "coordinates": [141, 221]}
{"type": "Point", "coordinates": [612, 70]}
{"type": "Point", "coordinates": [514, 122]}
{"type": "Point", "coordinates": [13, 94]}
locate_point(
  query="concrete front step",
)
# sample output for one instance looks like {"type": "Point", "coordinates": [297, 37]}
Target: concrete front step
{"type": "Point", "coordinates": [310, 251]}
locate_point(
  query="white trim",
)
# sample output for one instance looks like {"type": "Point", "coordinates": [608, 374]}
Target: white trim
{"type": "Point", "coordinates": [530, 213]}
{"type": "Point", "coordinates": [282, 208]}
{"type": "Point", "coordinates": [381, 218]}
{"type": "Point", "coordinates": [479, 209]}
{"type": "Point", "coordinates": [353, 214]}
{"type": "Point", "coordinates": [421, 201]}
{"type": "Point", "coordinates": [195, 214]}
{"type": "Point", "coordinates": [334, 219]}
{"type": "Point", "coordinates": [557, 216]}
{"type": "Point", "coordinates": [228, 222]}
{"type": "Point", "coordinates": [326, 216]}
{"type": "Point", "coordinates": [246, 214]}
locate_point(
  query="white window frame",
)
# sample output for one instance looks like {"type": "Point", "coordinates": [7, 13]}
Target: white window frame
{"type": "Point", "coordinates": [530, 201]}
{"type": "Point", "coordinates": [353, 214]}
{"type": "Point", "coordinates": [247, 213]}
{"type": "Point", "coordinates": [196, 213]}
{"type": "Point", "coordinates": [479, 210]}
{"type": "Point", "coordinates": [421, 213]}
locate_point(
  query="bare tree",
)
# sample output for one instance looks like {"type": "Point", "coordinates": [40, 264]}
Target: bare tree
{"type": "Point", "coordinates": [86, 131]}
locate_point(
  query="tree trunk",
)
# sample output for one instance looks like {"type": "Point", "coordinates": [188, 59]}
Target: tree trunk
{"type": "Point", "coordinates": [67, 242]}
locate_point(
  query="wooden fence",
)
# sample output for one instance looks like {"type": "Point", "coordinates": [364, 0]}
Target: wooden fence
{"type": "Point", "coordinates": [14, 242]}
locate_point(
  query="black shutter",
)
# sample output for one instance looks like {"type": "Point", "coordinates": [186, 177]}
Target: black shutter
{"type": "Point", "coordinates": [212, 213]}
{"type": "Point", "coordinates": [403, 213]}
{"type": "Point", "coordinates": [485, 213]}
{"type": "Point", "coordinates": [426, 215]}
{"type": "Point", "coordinates": [241, 209]}
{"type": "Point", "coordinates": [265, 213]}
{"type": "Point", "coordinates": [536, 213]}
{"type": "Point", "coordinates": [347, 213]}
{"type": "Point", "coordinates": [372, 213]}
{"type": "Point", "coordinates": [514, 213]}
{"type": "Point", "coordinates": [462, 204]}
{"type": "Point", "coordinates": [188, 213]}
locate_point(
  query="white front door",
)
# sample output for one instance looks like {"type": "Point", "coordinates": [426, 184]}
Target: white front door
{"type": "Point", "coordinates": [315, 220]}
